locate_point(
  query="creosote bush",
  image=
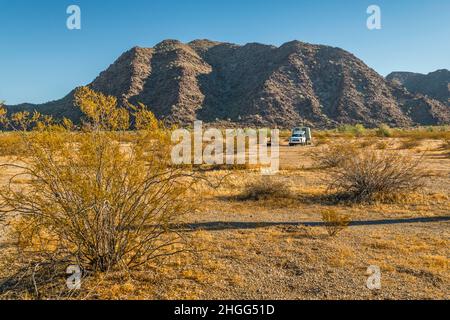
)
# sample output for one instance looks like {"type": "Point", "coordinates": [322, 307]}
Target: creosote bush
{"type": "Point", "coordinates": [364, 175]}
{"type": "Point", "coordinates": [91, 199]}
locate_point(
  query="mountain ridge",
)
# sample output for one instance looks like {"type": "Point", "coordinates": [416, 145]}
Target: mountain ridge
{"type": "Point", "coordinates": [257, 84]}
{"type": "Point", "coordinates": [435, 84]}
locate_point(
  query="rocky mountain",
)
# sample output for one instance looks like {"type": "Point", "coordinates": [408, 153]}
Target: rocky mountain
{"type": "Point", "coordinates": [435, 85]}
{"type": "Point", "coordinates": [259, 85]}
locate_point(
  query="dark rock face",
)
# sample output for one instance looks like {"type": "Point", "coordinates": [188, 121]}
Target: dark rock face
{"type": "Point", "coordinates": [256, 84]}
{"type": "Point", "coordinates": [126, 77]}
{"type": "Point", "coordinates": [435, 85]}
{"type": "Point", "coordinates": [419, 108]}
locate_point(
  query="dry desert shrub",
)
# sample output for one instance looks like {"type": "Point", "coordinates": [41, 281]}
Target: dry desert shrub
{"type": "Point", "coordinates": [334, 222]}
{"type": "Point", "coordinates": [331, 156]}
{"type": "Point", "coordinates": [266, 188]}
{"type": "Point", "coordinates": [384, 177]}
{"type": "Point", "coordinates": [90, 200]}
{"type": "Point", "coordinates": [361, 175]}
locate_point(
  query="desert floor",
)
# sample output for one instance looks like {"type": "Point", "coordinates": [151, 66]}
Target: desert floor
{"type": "Point", "coordinates": [279, 248]}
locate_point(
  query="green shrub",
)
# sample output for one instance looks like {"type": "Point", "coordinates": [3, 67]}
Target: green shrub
{"type": "Point", "coordinates": [357, 130]}
{"type": "Point", "coordinates": [384, 131]}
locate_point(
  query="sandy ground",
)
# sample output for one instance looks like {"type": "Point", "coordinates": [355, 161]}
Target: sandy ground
{"type": "Point", "coordinates": [279, 249]}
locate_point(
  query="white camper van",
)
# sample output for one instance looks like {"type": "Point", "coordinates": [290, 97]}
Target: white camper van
{"type": "Point", "coordinates": [300, 136]}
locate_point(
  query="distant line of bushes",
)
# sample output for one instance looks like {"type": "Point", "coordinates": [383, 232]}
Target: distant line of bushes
{"type": "Point", "coordinates": [383, 130]}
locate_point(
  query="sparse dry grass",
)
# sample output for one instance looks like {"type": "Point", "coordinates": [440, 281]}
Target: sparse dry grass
{"type": "Point", "coordinates": [445, 145]}
{"type": "Point", "coordinates": [382, 145]}
{"type": "Point", "coordinates": [11, 144]}
{"type": "Point", "coordinates": [266, 188]}
{"type": "Point", "coordinates": [410, 144]}
{"type": "Point", "coordinates": [277, 248]}
{"type": "Point", "coordinates": [332, 156]}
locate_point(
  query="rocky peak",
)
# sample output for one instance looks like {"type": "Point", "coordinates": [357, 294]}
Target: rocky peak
{"type": "Point", "coordinates": [265, 85]}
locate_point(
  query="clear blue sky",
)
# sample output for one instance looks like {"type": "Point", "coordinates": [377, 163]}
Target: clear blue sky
{"type": "Point", "coordinates": [41, 60]}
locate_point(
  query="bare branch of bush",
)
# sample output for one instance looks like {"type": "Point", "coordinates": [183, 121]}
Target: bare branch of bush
{"type": "Point", "coordinates": [366, 175]}
{"type": "Point", "coordinates": [332, 156]}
